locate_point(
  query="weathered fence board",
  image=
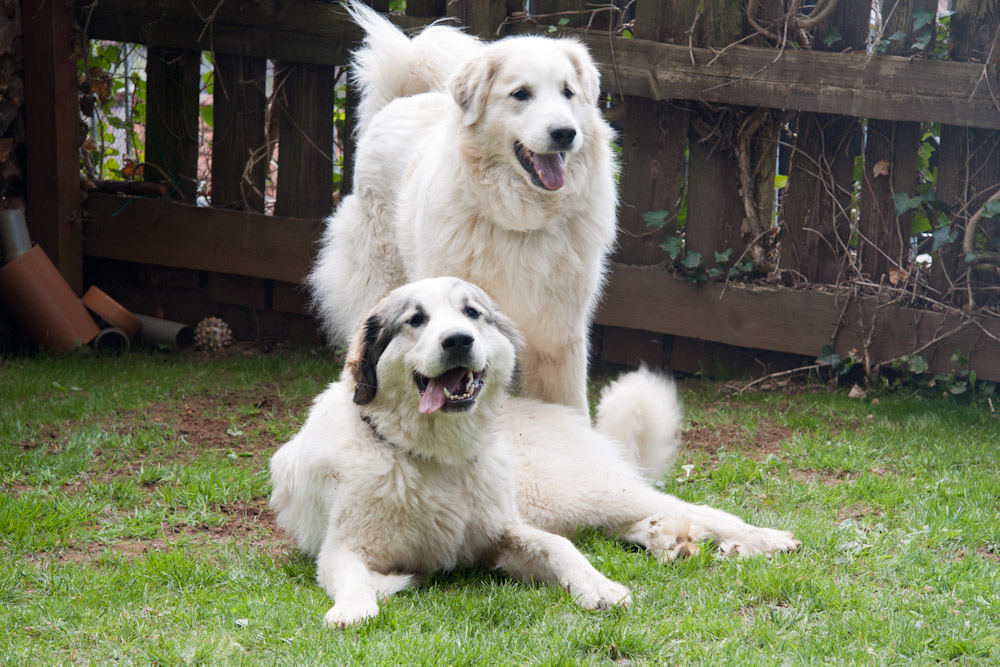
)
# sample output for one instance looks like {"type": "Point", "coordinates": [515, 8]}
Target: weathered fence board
{"type": "Point", "coordinates": [799, 322]}
{"type": "Point", "coordinates": [854, 84]}
{"type": "Point", "coordinates": [166, 233]}
{"type": "Point", "coordinates": [239, 158]}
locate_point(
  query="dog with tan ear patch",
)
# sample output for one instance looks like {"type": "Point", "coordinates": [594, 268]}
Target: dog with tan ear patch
{"type": "Point", "coordinates": [417, 461]}
{"type": "Point", "coordinates": [486, 161]}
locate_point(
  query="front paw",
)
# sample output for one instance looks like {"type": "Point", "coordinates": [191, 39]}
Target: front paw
{"type": "Point", "coordinates": [348, 613]}
{"type": "Point", "coordinates": [600, 593]}
{"type": "Point", "coordinates": [759, 541]}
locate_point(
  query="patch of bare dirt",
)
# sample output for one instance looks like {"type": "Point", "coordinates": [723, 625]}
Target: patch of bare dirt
{"type": "Point", "coordinates": [766, 441]}
{"type": "Point", "coordinates": [821, 477]}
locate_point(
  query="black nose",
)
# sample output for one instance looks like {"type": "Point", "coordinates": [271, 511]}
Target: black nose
{"type": "Point", "coordinates": [455, 342]}
{"type": "Point", "coordinates": [562, 136]}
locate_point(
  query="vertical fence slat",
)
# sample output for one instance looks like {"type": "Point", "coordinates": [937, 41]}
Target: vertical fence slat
{"type": "Point", "coordinates": [172, 86]}
{"type": "Point", "coordinates": [816, 206]}
{"type": "Point", "coordinates": [481, 17]}
{"type": "Point", "coordinates": [240, 105]}
{"type": "Point", "coordinates": [304, 94]}
{"type": "Point", "coordinates": [52, 118]}
{"type": "Point", "coordinates": [653, 145]}
{"type": "Point", "coordinates": [890, 164]}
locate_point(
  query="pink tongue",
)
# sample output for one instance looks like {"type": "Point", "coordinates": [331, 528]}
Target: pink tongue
{"type": "Point", "coordinates": [433, 397]}
{"type": "Point", "coordinates": [550, 168]}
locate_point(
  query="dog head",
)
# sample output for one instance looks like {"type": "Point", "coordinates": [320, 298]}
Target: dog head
{"type": "Point", "coordinates": [439, 343]}
{"type": "Point", "coordinates": [536, 97]}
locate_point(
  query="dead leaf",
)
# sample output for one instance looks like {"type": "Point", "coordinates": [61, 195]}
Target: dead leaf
{"type": "Point", "coordinates": [856, 392]}
{"type": "Point", "coordinates": [896, 276]}
{"type": "Point", "coordinates": [881, 168]}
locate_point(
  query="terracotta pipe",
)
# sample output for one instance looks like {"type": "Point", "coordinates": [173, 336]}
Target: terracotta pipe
{"type": "Point", "coordinates": [14, 239]}
{"type": "Point", "coordinates": [163, 332]}
{"type": "Point", "coordinates": [43, 303]}
{"type": "Point", "coordinates": [111, 311]}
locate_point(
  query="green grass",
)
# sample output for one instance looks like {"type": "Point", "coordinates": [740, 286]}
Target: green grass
{"type": "Point", "coordinates": [134, 530]}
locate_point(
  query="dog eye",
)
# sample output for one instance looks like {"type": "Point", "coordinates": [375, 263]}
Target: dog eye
{"type": "Point", "coordinates": [521, 94]}
{"type": "Point", "coordinates": [471, 313]}
{"type": "Point", "coordinates": [567, 93]}
{"type": "Point", "coordinates": [417, 320]}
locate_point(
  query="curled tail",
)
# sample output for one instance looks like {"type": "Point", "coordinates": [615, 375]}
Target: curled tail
{"type": "Point", "coordinates": [389, 64]}
{"type": "Point", "coordinates": [641, 412]}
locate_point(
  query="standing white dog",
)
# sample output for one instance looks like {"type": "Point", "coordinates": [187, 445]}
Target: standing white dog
{"type": "Point", "coordinates": [416, 461]}
{"type": "Point", "coordinates": [486, 161]}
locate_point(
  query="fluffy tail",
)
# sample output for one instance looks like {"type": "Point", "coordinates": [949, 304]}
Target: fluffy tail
{"type": "Point", "coordinates": [641, 412]}
{"type": "Point", "coordinates": [390, 65]}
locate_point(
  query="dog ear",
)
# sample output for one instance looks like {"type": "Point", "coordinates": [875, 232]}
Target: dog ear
{"type": "Point", "coordinates": [586, 71]}
{"type": "Point", "coordinates": [366, 349]}
{"type": "Point", "coordinates": [470, 86]}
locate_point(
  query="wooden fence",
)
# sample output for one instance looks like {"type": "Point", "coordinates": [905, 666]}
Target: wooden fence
{"type": "Point", "coordinates": [717, 102]}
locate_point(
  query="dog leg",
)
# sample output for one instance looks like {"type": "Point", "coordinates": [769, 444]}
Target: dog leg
{"type": "Point", "coordinates": [355, 589]}
{"type": "Point", "coordinates": [556, 373]}
{"type": "Point", "coordinates": [676, 527]}
{"type": "Point", "coordinates": [530, 554]}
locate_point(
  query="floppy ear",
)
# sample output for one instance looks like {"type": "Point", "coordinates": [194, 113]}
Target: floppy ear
{"type": "Point", "coordinates": [368, 346]}
{"type": "Point", "coordinates": [586, 71]}
{"type": "Point", "coordinates": [470, 85]}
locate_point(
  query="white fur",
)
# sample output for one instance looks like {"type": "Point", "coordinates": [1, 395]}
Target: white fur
{"type": "Point", "coordinates": [439, 190]}
{"type": "Point", "coordinates": [381, 494]}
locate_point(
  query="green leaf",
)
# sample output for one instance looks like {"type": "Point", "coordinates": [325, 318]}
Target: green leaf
{"type": "Point", "coordinates": [832, 37]}
{"type": "Point", "coordinates": [692, 260]}
{"type": "Point", "coordinates": [699, 275]}
{"type": "Point", "coordinates": [917, 365]}
{"type": "Point", "coordinates": [208, 115]}
{"type": "Point", "coordinates": [991, 208]}
{"type": "Point", "coordinates": [897, 36]}
{"type": "Point", "coordinates": [958, 387]}
{"type": "Point", "coordinates": [828, 355]}
{"type": "Point", "coordinates": [780, 181]}
{"type": "Point", "coordinates": [922, 16]}
{"type": "Point", "coordinates": [922, 40]}
{"type": "Point", "coordinates": [920, 224]}
{"type": "Point", "coordinates": [564, 21]}
{"type": "Point", "coordinates": [943, 236]}
{"type": "Point", "coordinates": [655, 218]}
{"type": "Point", "coordinates": [723, 257]}
{"type": "Point", "coordinates": [626, 34]}
{"type": "Point", "coordinates": [673, 245]}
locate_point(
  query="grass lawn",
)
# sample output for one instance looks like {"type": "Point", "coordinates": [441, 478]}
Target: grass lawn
{"type": "Point", "coordinates": [134, 530]}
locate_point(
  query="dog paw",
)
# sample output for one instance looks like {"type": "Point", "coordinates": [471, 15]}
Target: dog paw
{"type": "Point", "coordinates": [350, 613]}
{"type": "Point", "coordinates": [671, 547]}
{"type": "Point", "coordinates": [759, 541]}
{"type": "Point", "coordinates": [600, 594]}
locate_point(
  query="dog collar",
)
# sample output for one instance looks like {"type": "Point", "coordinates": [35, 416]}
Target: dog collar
{"type": "Point", "coordinates": [406, 452]}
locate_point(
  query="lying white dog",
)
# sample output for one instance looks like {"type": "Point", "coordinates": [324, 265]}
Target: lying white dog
{"type": "Point", "coordinates": [486, 161]}
{"type": "Point", "coordinates": [417, 461]}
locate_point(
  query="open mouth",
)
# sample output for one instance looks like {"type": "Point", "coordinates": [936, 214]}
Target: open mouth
{"type": "Point", "coordinates": [548, 170]}
{"type": "Point", "coordinates": [452, 391]}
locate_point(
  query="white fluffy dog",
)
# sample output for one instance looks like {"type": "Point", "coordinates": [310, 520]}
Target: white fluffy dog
{"type": "Point", "coordinates": [417, 461]}
{"type": "Point", "coordinates": [486, 161]}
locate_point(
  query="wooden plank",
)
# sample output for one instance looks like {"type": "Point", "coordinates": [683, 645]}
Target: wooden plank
{"type": "Point", "coordinates": [631, 347]}
{"type": "Point", "coordinates": [854, 84]}
{"type": "Point", "coordinates": [53, 126]}
{"type": "Point", "coordinates": [172, 88]}
{"type": "Point", "coordinates": [798, 322]}
{"type": "Point", "coordinates": [482, 18]}
{"type": "Point", "coordinates": [304, 104]}
{"type": "Point", "coordinates": [240, 104]}
{"type": "Point", "coordinates": [157, 231]}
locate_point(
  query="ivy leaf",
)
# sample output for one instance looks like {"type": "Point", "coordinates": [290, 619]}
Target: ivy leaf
{"type": "Point", "coordinates": [828, 355]}
{"type": "Point", "coordinates": [691, 260]}
{"type": "Point", "coordinates": [904, 202]}
{"type": "Point", "coordinates": [656, 218]}
{"type": "Point", "coordinates": [897, 36]}
{"type": "Point", "coordinates": [943, 236]}
{"type": "Point", "coordinates": [917, 365]}
{"type": "Point", "coordinates": [922, 16]}
{"type": "Point", "coordinates": [922, 40]}
{"type": "Point", "coordinates": [723, 257]}
{"type": "Point", "coordinates": [780, 181]}
{"type": "Point", "coordinates": [699, 275]}
{"type": "Point", "coordinates": [991, 208]}
{"type": "Point", "coordinates": [919, 225]}
{"type": "Point", "coordinates": [673, 245]}
{"type": "Point", "coordinates": [208, 115]}
{"type": "Point", "coordinates": [832, 37]}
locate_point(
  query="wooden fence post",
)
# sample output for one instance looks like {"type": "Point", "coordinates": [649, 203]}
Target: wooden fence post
{"type": "Point", "coordinates": [52, 127]}
{"type": "Point", "coordinates": [481, 17]}
{"type": "Point", "coordinates": [654, 140]}
{"type": "Point", "coordinates": [304, 94]}
{"type": "Point", "coordinates": [969, 164]}
{"type": "Point", "coordinates": [240, 104]}
{"type": "Point", "coordinates": [816, 207]}
{"type": "Point", "coordinates": [890, 164]}
{"type": "Point", "coordinates": [172, 89]}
